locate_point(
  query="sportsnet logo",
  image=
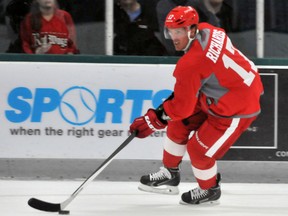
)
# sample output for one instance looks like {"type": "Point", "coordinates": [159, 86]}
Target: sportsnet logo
{"type": "Point", "coordinates": [78, 105]}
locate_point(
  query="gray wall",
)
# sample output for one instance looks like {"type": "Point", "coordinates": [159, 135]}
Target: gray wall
{"type": "Point", "coordinates": [132, 170]}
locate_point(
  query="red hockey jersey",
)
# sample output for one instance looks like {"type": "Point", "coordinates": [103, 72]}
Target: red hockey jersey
{"type": "Point", "coordinates": [59, 32]}
{"type": "Point", "coordinates": [216, 74]}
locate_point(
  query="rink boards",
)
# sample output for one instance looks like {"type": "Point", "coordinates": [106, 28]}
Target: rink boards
{"type": "Point", "coordinates": [83, 111]}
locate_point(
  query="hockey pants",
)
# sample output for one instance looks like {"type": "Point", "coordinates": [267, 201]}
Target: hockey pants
{"type": "Point", "coordinates": [210, 139]}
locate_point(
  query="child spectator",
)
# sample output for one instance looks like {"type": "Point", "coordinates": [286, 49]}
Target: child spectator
{"type": "Point", "coordinates": [48, 30]}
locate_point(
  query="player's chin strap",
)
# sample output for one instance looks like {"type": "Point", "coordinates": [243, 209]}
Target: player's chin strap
{"type": "Point", "coordinates": [190, 40]}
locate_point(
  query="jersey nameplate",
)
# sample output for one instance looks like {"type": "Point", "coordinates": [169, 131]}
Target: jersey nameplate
{"type": "Point", "coordinates": [216, 45]}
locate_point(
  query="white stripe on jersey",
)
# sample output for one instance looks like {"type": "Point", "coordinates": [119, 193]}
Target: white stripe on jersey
{"type": "Point", "coordinates": [226, 135]}
{"type": "Point", "coordinates": [174, 148]}
{"type": "Point", "coordinates": [205, 174]}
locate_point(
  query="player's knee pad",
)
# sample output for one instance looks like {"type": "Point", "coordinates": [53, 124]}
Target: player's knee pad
{"type": "Point", "coordinates": [178, 132]}
{"type": "Point", "coordinates": [195, 147]}
{"type": "Point", "coordinates": [197, 153]}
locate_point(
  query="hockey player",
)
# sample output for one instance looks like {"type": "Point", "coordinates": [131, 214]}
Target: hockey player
{"type": "Point", "coordinates": [48, 30]}
{"type": "Point", "coordinates": [216, 96]}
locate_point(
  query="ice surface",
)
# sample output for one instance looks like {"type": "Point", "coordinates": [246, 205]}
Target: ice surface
{"type": "Point", "coordinates": [105, 198]}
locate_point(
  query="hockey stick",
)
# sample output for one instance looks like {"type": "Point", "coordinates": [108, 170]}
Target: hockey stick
{"type": "Point", "coordinates": [58, 207]}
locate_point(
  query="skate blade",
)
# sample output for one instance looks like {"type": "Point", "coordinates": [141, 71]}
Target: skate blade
{"type": "Point", "coordinates": [208, 203]}
{"type": "Point", "coordinates": [170, 190]}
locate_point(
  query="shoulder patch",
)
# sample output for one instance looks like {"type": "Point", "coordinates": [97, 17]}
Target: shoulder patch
{"type": "Point", "coordinates": [203, 37]}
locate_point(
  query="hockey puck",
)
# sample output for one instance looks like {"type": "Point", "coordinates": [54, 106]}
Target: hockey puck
{"type": "Point", "coordinates": [64, 212]}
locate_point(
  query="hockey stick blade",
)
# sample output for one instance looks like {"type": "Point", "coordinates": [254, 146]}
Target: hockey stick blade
{"type": "Point", "coordinates": [56, 207]}
{"type": "Point", "coordinates": [44, 206]}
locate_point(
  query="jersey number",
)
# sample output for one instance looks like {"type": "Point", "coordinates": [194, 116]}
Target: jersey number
{"type": "Point", "coordinates": [247, 76]}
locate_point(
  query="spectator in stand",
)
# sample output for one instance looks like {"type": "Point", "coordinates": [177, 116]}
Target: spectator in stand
{"type": "Point", "coordinates": [218, 13]}
{"type": "Point", "coordinates": [134, 34]}
{"type": "Point", "coordinates": [48, 30]}
{"type": "Point", "coordinates": [15, 12]}
{"type": "Point", "coordinates": [214, 12]}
